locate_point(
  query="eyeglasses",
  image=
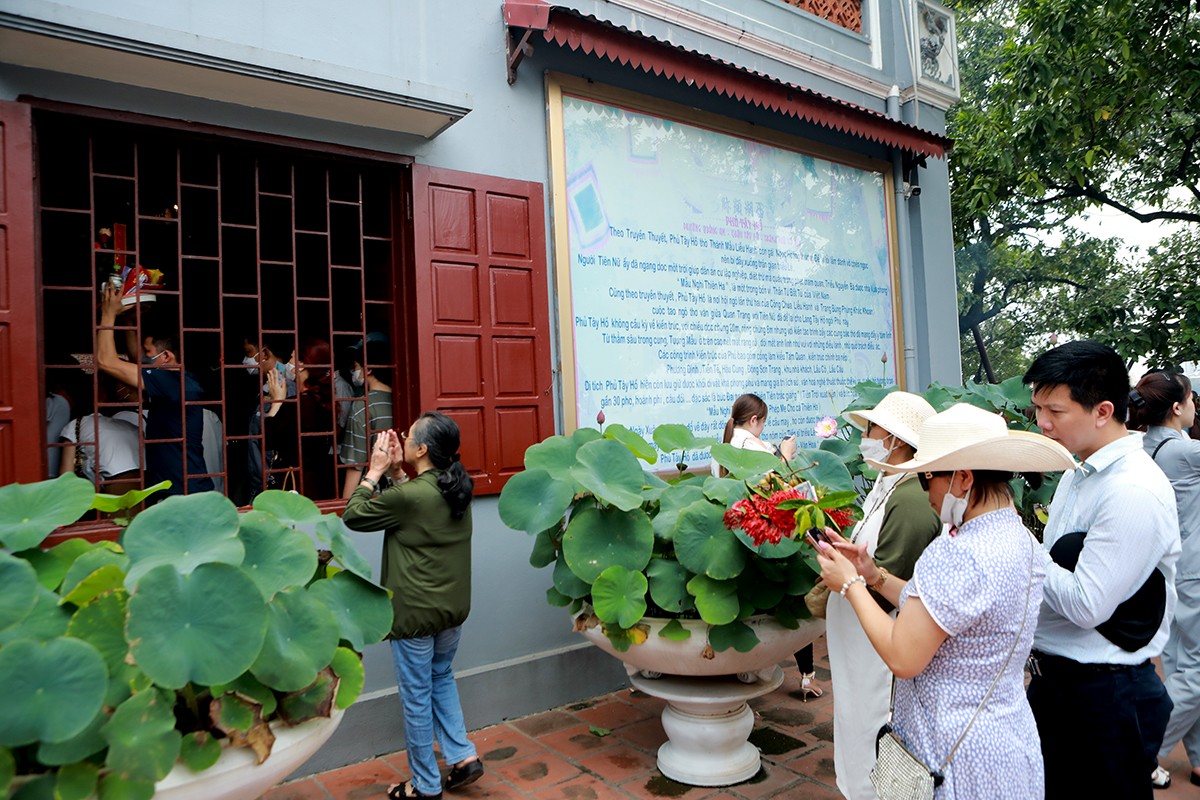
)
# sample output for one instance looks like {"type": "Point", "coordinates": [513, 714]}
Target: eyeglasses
{"type": "Point", "coordinates": [403, 436]}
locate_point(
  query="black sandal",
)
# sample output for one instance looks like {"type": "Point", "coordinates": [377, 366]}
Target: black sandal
{"type": "Point", "coordinates": [464, 775]}
{"type": "Point", "coordinates": [407, 791]}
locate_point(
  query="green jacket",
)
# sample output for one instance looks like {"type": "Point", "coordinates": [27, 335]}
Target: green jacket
{"type": "Point", "coordinates": [426, 554]}
{"type": "Point", "coordinates": [909, 525]}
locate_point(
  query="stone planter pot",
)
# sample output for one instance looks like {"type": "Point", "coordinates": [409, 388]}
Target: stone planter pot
{"type": "Point", "coordinates": [707, 718]}
{"type": "Point", "coordinates": [660, 656]}
{"type": "Point", "coordinates": [236, 776]}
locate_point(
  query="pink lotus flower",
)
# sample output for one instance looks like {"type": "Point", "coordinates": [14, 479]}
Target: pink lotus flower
{"type": "Point", "coordinates": [600, 417]}
{"type": "Point", "coordinates": [826, 428]}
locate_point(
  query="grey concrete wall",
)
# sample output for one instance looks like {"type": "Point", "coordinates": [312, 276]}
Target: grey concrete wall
{"type": "Point", "coordinates": [518, 654]}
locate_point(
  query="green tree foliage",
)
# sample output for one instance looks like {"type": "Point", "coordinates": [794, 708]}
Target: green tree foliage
{"type": "Point", "coordinates": [1067, 106]}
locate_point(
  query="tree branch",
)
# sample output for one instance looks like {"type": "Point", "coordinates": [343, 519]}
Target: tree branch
{"type": "Point", "coordinates": [1092, 193]}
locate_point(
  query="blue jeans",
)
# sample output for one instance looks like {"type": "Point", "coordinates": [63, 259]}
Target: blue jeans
{"type": "Point", "coordinates": [431, 706]}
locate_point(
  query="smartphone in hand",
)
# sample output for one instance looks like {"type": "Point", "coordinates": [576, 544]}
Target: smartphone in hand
{"type": "Point", "coordinates": [815, 535]}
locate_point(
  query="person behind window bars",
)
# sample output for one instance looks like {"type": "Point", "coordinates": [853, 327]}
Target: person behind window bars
{"type": "Point", "coordinates": [313, 410]}
{"type": "Point", "coordinates": [161, 377]}
{"type": "Point", "coordinates": [116, 440]}
{"type": "Point", "coordinates": [264, 362]}
{"type": "Point", "coordinates": [373, 416]}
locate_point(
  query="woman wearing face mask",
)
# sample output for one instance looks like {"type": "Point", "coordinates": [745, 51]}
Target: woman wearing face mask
{"type": "Point", "coordinates": [896, 527]}
{"type": "Point", "coordinates": [1162, 405]}
{"type": "Point", "coordinates": [312, 456]}
{"type": "Point", "coordinates": [965, 627]}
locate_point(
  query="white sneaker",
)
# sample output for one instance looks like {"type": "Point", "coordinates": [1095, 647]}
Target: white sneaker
{"type": "Point", "coordinates": [1160, 778]}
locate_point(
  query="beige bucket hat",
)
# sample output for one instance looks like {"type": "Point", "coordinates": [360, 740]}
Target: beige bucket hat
{"type": "Point", "coordinates": [899, 413]}
{"type": "Point", "coordinates": [967, 437]}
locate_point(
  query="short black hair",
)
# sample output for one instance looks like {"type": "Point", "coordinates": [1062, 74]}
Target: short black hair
{"type": "Point", "coordinates": [1094, 372]}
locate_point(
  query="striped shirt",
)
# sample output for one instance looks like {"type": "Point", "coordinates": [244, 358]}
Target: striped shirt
{"type": "Point", "coordinates": [375, 413]}
{"type": "Point", "coordinates": [1126, 506]}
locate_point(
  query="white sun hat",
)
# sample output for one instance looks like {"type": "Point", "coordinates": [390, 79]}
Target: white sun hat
{"type": "Point", "coordinates": [967, 437]}
{"type": "Point", "coordinates": [899, 413]}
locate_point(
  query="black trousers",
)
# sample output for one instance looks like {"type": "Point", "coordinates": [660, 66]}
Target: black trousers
{"type": "Point", "coordinates": [1100, 730]}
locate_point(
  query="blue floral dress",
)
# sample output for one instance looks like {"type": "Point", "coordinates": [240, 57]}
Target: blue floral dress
{"type": "Point", "coordinates": [974, 584]}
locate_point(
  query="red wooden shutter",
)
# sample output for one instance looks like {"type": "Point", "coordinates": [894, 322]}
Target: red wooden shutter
{"type": "Point", "coordinates": [22, 409]}
{"type": "Point", "coordinates": [483, 315]}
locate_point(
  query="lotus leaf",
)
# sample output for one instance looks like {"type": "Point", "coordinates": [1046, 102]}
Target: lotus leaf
{"type": "Point", "coordinates": [668, 585]}
{"type": "Point", "coordinates": [249, 687]}
{"type": "Point", "coordinates": [705, 546]}
{"type": "Point", "coordinates": [671, 437]}
{"type": "Point", "coordinates": [276, 556]}
{"type": "Point", "coordinates": [725, 491]}
{"type": "Point", "coordinates": [745, 464]}
{"type": "Point", "coordinates": [302, 636]}
{"type": "Point", "coordinates": [105, 579]}
{"type": "Point", "coordinates": [636, 444]}
{"type": "Point", "coordinates": [88, 563]}
{"type": "Point", "coordinates": [184, 531]}
{"type": "Point", "coordinates": [199, 750]}
{"type": "Point", "coordinates": [331, 531]}
{"type": "Point", "coordinates": [781, 549]}
{"type": "Point", "coordinates": [232, 713]}
{"type": "Point", "coordinates": [671, 503]}
{"type": "Point", "coordinates": [557, 599]}
{"type": "Point", "coordinates": [536, 500]}
{"type": "Point", "coordinates": [348, 668]}
{"type": "Point", "coordinates": [362, 609]}
{"type": "Point", "coordinates": [622, 639]}
{"type": "Point", "coordinates": [584, 435]}
{"type": "Point", "coordinates": [619, 596]}
{"type": "Point", "coordinates": [204, 627]}
{"type": "Point", "coordinates": [544, 550]}
{"type": "Point", "coordinates": [76, 781]}
{"type": "Point", "coordinates": [555, 455]}
{"type": "Point", "coordinates": [88, 742]}
{"type": "Point", "coordinates": [101, 624]}
{"type": "Point", "coordinates": [115, 787]}
{"type": "Point", "coordinates": [827, 469]}
{"type": "Point", "coordinates": [52, 564]}
{"type": "Point", "coordinates": [566, 582]}
{"type": "Point", "coordinates": [738, 635]}
{"type": "Point", "coordinates": [315, 700]}
{"type": "Point", "coordinates": [757, 591]}
{"type": "Point", "coordinates": [46, 621]}
{"type": "Point", "coordinates": [20, 594]}
{"type": "Point", "coordinates": [289, 509]}
{"type": "Point", "coordinates": [142, 741]}
{"type": "Point", "coordinates": [598, 538]}
{"type": "Point", "coordinates": [53, 689]}
{"type": "Point", "coordinates": [8, 769]}
{"type": "Point", "coordinates": [40, 788]}
{"type": "Point", "coordinates": [717, 601]}
{"type": "Point", "coordinates": [111, 503]}
{"type": "Point", "coordinates": [609, 471]}
{"type": "Point", "coordinates": [30, 512]}
{"type": "Point", "coordinates": [674, 631]}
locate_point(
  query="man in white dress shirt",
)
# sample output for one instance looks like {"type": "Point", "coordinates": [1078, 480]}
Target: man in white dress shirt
{"type": "Point", "coordinates": [1101, 709]}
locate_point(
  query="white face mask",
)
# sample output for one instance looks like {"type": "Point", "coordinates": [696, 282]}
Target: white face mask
{"type": "Point", "coordinates": [251, 364]}
{"type": "Point", "coordinates": [289, 372]}
{"type": "Point", "coordinates": [875, 449]}
{"type": "Point", "coordinates": [356, 377]}
{"type": "Point", "coordinates": [953, 507]}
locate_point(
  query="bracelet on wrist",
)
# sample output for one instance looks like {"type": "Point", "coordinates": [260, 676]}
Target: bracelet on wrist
{"type": "Point", "coordinates": [856, 579]}
{"type": "Point", "coordinates": [364, 479]}
{"type": "Point", "coordinates": [880, 581]}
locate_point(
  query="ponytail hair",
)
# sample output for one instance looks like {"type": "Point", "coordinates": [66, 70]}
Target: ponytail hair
{"type": "Point", "coordinates": [1151, 401]}
{"type": "Point", "coordinates": [745, 407]}
{"type": "Point", "coordinates": [440, 434]}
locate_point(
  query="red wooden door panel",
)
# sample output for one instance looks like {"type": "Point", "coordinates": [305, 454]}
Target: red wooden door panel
{"type": "Point", "coordinates": [483, 315]}
{"type": "Point", "coordinates": [22, 441]}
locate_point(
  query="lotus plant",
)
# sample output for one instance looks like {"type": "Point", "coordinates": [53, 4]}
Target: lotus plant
{"type": "Point", "coordinates": [624, 542]}
{"type": "Point", "coordinates": [203, 628]}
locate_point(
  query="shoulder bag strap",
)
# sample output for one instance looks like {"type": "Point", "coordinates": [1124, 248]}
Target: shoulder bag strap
{"type": "Point", "coordinates": [78, 448]}
{"type": "Point", "coordinates": [983, 702]}
{"type": "Point", "coordinates": [1007, 660]}
{"type": "Point", "coordinates": [1154, 455]}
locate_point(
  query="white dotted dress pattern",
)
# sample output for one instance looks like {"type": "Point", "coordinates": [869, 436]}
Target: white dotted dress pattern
{"type": "Point", "coordinates": [974, 585]}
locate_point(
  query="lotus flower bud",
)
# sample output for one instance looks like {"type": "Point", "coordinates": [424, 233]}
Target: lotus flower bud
{"type": "Point", "coordinates": [600, 417]}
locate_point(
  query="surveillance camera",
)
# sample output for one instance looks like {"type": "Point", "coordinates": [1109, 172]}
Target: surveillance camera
{"type": "Point", "coordinates": [911, 191]}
